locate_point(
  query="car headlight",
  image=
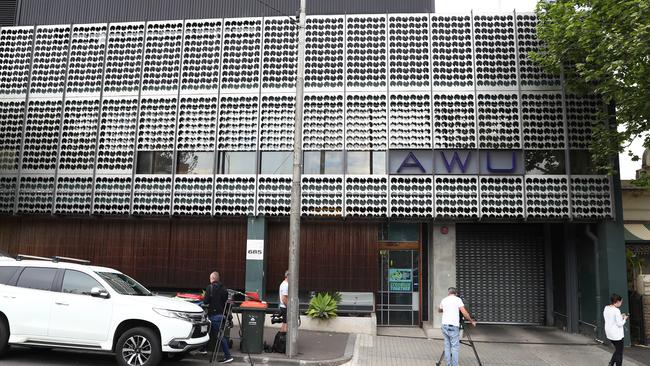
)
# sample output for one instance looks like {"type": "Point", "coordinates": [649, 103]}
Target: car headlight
{"type": "Point", "coordinates": [176, 314]}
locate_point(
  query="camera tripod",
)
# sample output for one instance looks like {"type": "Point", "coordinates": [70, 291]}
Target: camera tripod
{"type": "Point", "coordinates": [467, 342]}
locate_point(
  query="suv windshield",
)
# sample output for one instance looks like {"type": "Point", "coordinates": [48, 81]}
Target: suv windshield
{"type": "Point", "coordinates": [124, 284]}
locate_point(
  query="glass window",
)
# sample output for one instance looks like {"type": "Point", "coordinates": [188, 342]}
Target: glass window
{"type": "Point", "coordinates": [399, 231]}
{"type": "Point", "coordinates": [75, 282]}
{"type": "Point", "coordinates": [6, 273]}
{"type": "Point", "coordinates": [545, 162]}
{"type": "Point", "coordinates": [277, 162]}
{"type": "Point", "coordinates": [366, 162]}
{"type": "Point", "coordinates": [237, 162]}
{"type": "Point", "coordinates": [154, 162]}
{"type": "Point", "coordinates": [124, 284]}
{"type": "Point", "coordinates": [323, 162]}
{"type": "Point", "coordinates": [190, 162]}
{"type": "Point", "coordinates": [37, 278]}
{"type": "Point", "coordinates": [581, 162]}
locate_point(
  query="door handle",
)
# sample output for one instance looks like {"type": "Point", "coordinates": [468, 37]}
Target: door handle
{"type": "Point", "coordinates": [61, 303]}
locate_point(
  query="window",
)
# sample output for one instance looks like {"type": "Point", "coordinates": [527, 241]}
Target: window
{"type": "Point", "coordinates": [124, 284]}
{"type": "Point", "coordinates": [277, 162]}
{"type": "Point", "coordinates": [366, 162]}
{"type": "Point", "coordinates": [37, 278]}
{"type": "Point", "coordinates": [581, 162]}
{"type": "Point", "coordinates": [323, 162]}
{"type": "Point", "coordinates": [189, 162]}
{"type": "Point", "coordinates": [237, 162]}
{"type": "Point", "coordinates": [154, 162]}
{"type": "Point", "coordinates": [399, 231]}
{"type": "Point", "coordinates": [545, 162]}
{"type": "Point", "coordinates": [75, 282]}
{"type": "Point", "coordinates": [6, 273]}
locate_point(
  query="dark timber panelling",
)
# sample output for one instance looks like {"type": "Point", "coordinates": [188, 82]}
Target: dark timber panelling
{"type": "Point", "coordinates": [157, 252]}
{"type": "Point", "coordinates": [100, 11]}
{"type": "Point", "coordinates": [334, 256]}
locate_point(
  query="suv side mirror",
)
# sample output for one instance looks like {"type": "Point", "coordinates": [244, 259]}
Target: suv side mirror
{"type": "Point", "coordinates": [99, 292]}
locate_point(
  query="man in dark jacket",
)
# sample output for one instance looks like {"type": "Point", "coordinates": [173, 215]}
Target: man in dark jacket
{"type": "Point", "coordinates": [216, 296]}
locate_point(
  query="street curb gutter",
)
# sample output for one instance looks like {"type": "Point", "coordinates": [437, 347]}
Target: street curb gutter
{"type": "Point", "coordinates": [262, 360]}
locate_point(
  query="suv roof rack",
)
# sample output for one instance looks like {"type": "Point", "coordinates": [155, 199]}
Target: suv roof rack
{"type": "Point", "coordinates": [20, 257]}
{"type": "Point", "coordinates": [55, 259]}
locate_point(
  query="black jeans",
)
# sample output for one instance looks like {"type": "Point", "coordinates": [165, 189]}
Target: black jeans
{"type": "Point", "coordinates": [617, 357]}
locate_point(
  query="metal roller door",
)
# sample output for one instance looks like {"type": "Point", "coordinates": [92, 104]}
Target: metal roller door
{"type": "Point", "coordinates": [500, 272]}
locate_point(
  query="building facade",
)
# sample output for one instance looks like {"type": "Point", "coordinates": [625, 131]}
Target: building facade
{"type": "Point", "coordinates": [436, 153]}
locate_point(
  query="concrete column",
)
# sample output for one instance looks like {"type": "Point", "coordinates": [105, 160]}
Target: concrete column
{"type": "Point", "coordinates": [256, 255]}
{"type": "Point", "coordinates": [571, 279]}
{"type": "Point", "coordinates": [442, 266]}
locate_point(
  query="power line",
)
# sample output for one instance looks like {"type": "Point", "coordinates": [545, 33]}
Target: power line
{"type": "Point", "coordinates": [264, 3]}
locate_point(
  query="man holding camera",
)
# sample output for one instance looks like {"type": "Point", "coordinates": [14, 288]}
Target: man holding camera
{"type": "Point", "coordinates": [450, 307]}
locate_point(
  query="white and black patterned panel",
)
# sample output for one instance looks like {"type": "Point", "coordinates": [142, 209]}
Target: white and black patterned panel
{"type": "Point", "coordinates": [582, 114]}
{"type": "Point", "coordinates": [41, 139]}
{"type": "Point", "coordinates": [280, 55]}
{"type": "Point", "coordinates": [12, 113]}
{"type": "Point", "coordinates": [242, 48]}
{"type": "Point", "coordinates": [7, 193]}
{"type": "Point", "coordinates": [35, 194]}
{"type": "Point", "coordinates": [454, 121]}
{"type": "Point", "coordinates": [238, 115]}
{"type": "Point", "coordinates": [366, 52]}
{"type": "Point", "coordinates": [409, 116]}
{"type": "Point", "coordinates": [197, 123]}
{"type": "Point", "coordinates": [547, 196]}
{"type": "Point", "coordinates": [112, 195]}
{"type": "Point", "coordinates": [323, 122]}
{"type": "Point", "coordinates": [542, 119]}
{"type": "Point", "coordinates": [324, 52]}
{"type": "Point", "coordinates": [498, 121]}
{"type": "Point", "coordinates": [591, 197]}
{"type": "Point", "coordinates": [531, 75]}
{"type": "Point", "coordinates": [86, 59]}
{"type": "Point", "coordinates": [201, 55]}
{"type": "Point", "coordinates": [152, 195]}
{"type": "Point", "coordinates": [366, 195]}
{"type": "Point", "coordinates": [234, 195]}
{"type": "Point", "coordinates": [193, 195]}
{"type": "Point", "coordinates": [50, 60]}
{"type": "Point", "coordinates": [124, 58]}
{"type": "Point", "coordinates": [73, 194]}
{"type": "Point", "coordinates": [452, 63]}
{"type": "Point", "coordinates": [79, 135]}
{"type": "Point", "coordinates": [321, 195]}
{"type": "Point", "coordinates": [411, 196]}
{"type": "Point", "coordinates": [273, 194]}
{"type": "Point", "coordinates": [496, 58]}
{"type": "Point", "coordinates": [277, 117]}
{"type": "Point", "coordinates": [157, 123]}
{"type": "Point", "coordinates": [408, 45]}
{"type": "Point", "coordinates": [456, 196]}
{"type": "Point", "coordinates": [117, 135]}
{"type": "Point", "coordinates": [15, 59]}
{"type": "Point", "coordinates": [162, 57]}
{"type": "Point", "coordinates": [502, 196]}
{"type": "Point", "coordinates": [366, 121]}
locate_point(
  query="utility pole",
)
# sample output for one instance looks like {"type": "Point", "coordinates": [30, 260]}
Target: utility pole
{"type": "Point", "coordinates": [293, 312]}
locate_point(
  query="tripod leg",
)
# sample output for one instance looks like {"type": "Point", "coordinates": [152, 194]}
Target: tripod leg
{"type": "Point", "coordinates": [222, 329]}
{"type": "Point", "coordinates": [471, 343]}
{"type": "Point", "coordinates": [442, 355]}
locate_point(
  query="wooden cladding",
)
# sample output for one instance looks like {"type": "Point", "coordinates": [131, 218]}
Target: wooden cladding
{"type": "Point", "coordinates": [157, 252]}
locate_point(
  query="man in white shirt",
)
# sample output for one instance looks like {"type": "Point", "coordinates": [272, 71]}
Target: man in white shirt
{"type": "Point", "coordinates": [284, 300]}
{"type": "Point", "coordinates": [449, 307]}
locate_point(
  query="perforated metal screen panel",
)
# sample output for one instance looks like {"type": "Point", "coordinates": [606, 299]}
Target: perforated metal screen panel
{"type": "Point", "coordinates": [500, 272]}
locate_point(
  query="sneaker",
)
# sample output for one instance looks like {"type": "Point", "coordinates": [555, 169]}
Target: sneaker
{"type": "Point", "coordinates": [227, 360]}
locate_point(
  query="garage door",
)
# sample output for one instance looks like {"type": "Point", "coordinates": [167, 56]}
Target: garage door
{"type": "Point", "coordinates": [500, 272]}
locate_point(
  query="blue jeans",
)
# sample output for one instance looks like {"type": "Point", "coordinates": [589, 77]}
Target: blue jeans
{"type": "Point", "coordinates": [452, 343]}
{"type": "Point", "coordinates": [214, 332]}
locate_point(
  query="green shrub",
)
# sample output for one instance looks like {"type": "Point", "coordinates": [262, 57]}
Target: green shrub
{"type": "Point", "coordinates": [322, 306]}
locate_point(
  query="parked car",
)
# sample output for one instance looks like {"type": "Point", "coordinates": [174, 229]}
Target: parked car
{"type": "Point", "coordinates": [59, 304]}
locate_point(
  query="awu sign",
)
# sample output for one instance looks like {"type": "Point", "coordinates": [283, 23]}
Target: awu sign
{"type": "Point", "coordinates": [456, 162]}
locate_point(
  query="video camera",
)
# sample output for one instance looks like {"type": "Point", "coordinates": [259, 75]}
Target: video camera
{"type": "Point", "coordinates": [277, 318]}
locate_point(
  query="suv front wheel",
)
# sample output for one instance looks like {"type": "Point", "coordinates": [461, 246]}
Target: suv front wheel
{"type": "Point", "coordinates": [138, 347]}
{"type": "Point", "coordinates": [4, 337]}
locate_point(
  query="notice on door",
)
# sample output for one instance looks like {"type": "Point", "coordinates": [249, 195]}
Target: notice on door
{"type": "Point", "coordinates": [400, 280]}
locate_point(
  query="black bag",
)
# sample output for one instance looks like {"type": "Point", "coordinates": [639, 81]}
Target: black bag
{"type": "Point", "coordinates": [280, 342]}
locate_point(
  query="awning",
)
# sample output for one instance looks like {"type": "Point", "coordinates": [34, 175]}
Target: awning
{"type": "Point", "coordinates": [637, 232]}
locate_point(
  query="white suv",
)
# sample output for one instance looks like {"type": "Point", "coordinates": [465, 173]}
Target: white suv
{"type": "Point", "coordinates": [57, 304]}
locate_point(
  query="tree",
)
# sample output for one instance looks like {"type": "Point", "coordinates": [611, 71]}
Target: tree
{"type": "Point", "coordinates": [602, 47]}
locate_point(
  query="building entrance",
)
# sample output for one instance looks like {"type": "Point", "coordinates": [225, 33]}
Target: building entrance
{"type": "Point", "coordinates": [398, 300]}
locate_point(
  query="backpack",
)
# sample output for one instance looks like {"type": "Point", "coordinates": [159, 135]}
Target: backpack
{"type": "Point", "coordinates": [280, 342]}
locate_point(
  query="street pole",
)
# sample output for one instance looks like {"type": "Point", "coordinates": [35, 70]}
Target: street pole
{"type": "Point", "coordinates": [293, 313]}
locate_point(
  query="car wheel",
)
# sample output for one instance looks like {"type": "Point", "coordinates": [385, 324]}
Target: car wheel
{"type": "Point", "coordinates": [138, 347]}
{"type": "Point", "coordinates": [176, 356]}
{"type": "Point", "coordinates": [4, 337]}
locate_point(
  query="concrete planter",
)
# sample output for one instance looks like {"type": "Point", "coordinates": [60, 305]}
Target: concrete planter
{"type": "Point", "coordinates": [340, 324]}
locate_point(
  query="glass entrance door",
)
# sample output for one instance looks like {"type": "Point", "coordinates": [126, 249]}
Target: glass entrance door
{"type": "Point", "coordinates": [399, 292]}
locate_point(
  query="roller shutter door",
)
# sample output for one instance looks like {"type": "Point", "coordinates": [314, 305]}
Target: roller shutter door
{"type": "Point", "coordinates": [500, 272]}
